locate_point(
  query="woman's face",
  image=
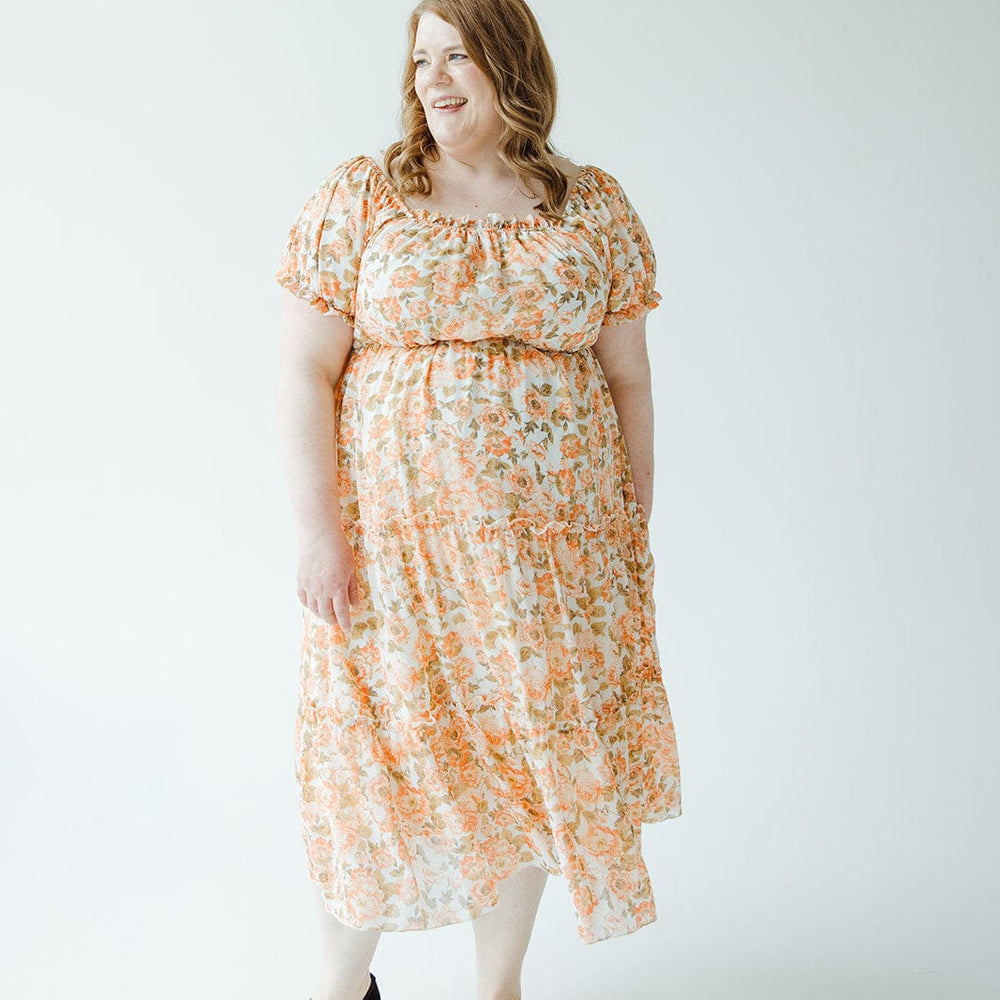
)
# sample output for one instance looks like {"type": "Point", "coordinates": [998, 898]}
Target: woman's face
{"type": "Point", "coordinates": [445, 70]}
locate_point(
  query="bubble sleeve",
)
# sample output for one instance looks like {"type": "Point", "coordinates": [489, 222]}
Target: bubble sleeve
{"type": "Point", "coordinates": [631, 259]}
{"type": "Point", "coordinates": [322, 253]}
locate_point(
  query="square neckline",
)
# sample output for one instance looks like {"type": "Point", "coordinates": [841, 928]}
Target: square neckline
{"type": "Point", "coordinates": [491, 219]}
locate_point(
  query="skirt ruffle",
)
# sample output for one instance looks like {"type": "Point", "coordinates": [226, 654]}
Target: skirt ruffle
{"type": "Point", "coordinates": [497, 702]}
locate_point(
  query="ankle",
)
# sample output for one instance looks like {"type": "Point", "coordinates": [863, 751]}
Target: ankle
{"type": "Point", "coordinates": [336, 989]}
{"type": "Point", "coordinates": [500, 993]}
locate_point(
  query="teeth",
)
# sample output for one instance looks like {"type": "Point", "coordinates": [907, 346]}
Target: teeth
{"type": "Point", "coordinates": [452, 102]}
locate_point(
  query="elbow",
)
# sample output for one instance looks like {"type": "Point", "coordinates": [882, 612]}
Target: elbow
{"type": "Point", "coordinates": [634, 380]}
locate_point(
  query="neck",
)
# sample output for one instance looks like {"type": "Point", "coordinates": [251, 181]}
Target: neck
{"type": "Point", "coordinates": [482, 164]}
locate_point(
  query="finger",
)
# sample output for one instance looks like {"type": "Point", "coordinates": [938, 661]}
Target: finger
{"type": "Point", "coordinates": [326, 610]}
{"type": "Point", "coordinates": [343, 610]}
{"type": "Point", "coordinates": [315, 605]}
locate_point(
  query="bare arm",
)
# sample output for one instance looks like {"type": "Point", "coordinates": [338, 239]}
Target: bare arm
{"type": "Point", "coordinates": [621, 351]}
{"type": "Point", "coordinates": [314, 347]}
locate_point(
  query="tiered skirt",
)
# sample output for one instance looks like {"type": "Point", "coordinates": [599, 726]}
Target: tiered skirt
{"type": "Point", "coordinates": [498, 700]}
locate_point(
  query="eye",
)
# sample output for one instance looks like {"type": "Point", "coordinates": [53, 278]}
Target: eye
{"type": "Point", "coordinates": [420, 61]}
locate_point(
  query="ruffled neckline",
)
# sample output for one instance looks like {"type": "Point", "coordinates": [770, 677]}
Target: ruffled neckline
{"type": "Point", "coordinates": [492, 220]}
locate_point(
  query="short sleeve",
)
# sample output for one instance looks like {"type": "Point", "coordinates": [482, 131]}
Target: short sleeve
{"type": "Point", "coordinates": [631, 259]}
{"type": "Point", "coordinates": [322, 254]}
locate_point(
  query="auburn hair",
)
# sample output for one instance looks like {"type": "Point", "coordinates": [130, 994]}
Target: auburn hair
{"type": "Point", "coordinates": [503, 39]}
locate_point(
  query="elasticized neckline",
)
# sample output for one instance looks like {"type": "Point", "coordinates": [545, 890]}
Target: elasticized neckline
{"type": "Point", "coordinates": [493, 220]}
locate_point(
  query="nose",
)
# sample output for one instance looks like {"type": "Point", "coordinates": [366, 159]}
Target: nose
{"type": "Point", "coordinates": [439, 72]}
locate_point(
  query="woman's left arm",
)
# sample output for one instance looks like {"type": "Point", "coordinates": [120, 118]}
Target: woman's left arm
{"type": "Point", "coordinates": [621, 351]}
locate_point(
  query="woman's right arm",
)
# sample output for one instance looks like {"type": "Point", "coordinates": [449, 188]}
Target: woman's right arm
{"type": "Point", "coordinates": [313, 350]}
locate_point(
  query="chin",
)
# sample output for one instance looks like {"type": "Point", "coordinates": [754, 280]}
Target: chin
{"type": "Point", "coordinates": [447, 138]}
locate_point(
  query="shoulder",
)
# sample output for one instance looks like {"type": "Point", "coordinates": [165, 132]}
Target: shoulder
{"type": "Point", "coordinates": [606, 195]}
{"type": "Point", "coordinates": [353, 187]}
{"type": "Point", "coordinates": [353, 173]}
{"type": "Point", "coordinates": [603, 182]}
{"type": "Point", "coordinates": [570, 169]}
{"type": "Point", "coordinates": [600, 195]}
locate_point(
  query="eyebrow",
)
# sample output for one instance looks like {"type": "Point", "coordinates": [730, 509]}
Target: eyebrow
{"type": "Point", "coordinates": [450, 48]}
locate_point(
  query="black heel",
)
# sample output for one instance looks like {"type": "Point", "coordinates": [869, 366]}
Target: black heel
{"type": "Point", "coordinates": [373, 993]}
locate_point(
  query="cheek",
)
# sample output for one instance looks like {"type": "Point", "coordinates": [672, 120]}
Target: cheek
{"type": "Point", "coordinates": [478, 83]}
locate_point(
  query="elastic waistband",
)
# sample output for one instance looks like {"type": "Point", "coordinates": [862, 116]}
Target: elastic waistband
{"type": "Point", "coordinates": [487, 344]}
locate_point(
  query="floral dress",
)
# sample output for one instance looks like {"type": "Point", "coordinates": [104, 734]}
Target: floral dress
{"type": "Point", "coordinates": [498, 700]}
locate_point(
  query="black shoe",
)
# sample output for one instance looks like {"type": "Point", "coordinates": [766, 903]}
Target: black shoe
{"type": "Point", "coordinates": [373, 993]}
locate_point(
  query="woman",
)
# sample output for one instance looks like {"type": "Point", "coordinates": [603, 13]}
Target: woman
{"type": "Point", "coordinates": [466, 421]}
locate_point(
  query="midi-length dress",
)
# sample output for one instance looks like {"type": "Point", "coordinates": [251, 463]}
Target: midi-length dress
{"type": "Point", "coordinates": [498, 699]}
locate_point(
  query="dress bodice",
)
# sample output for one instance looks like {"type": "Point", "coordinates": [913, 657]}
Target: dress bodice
{"type": "Point", "coordinates": [407, 277]}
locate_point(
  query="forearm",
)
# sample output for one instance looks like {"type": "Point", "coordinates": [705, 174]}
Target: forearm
{"type": "Point", "coordinates": [634, 405]}
{"type": "Point", "coordinates": [307, 440]}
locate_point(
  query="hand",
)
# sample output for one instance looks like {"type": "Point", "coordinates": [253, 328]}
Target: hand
{"type": "Point", "coordinates": [327, 578]}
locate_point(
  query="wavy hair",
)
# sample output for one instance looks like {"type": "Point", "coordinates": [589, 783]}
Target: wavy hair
{"type": "Point", "coordinates": [503, 39]}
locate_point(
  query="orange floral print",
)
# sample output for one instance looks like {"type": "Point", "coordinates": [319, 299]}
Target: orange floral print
{"type": "Point", "coordinates": [498, 701]}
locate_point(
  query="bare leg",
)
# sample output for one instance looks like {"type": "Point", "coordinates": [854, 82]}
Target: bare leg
{"type": "Point", "coordinates": [502, 935]}
{"type": "Point", "coordinates": [345, 955]}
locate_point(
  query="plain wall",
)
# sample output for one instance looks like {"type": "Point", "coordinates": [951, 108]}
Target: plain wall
{"type": "Point", "coordinates": [820, 184]}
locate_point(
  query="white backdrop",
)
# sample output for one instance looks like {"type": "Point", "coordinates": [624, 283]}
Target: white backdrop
{"type": "Point", "coordinates": [820, 184]}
